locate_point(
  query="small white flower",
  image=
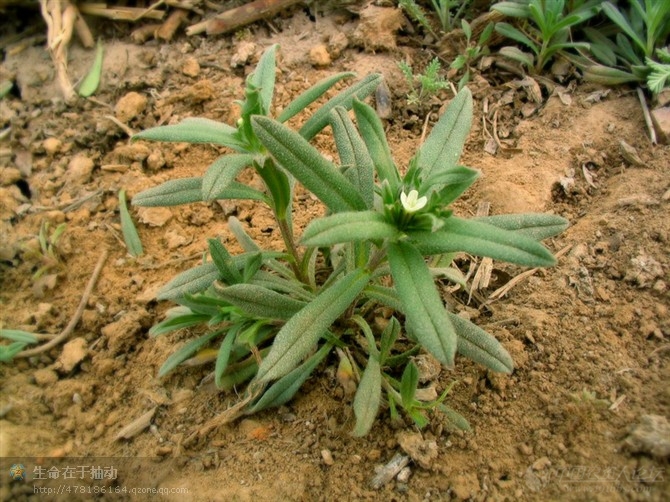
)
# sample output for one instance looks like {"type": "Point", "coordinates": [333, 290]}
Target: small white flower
{"type": "Point", "coordinates": [412, 202]}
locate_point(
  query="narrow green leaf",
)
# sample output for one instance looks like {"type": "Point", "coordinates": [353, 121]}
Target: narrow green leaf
{"type": "Point", "coordinates": [310, 95]}
{"type": "Point", "coordinates": [509, 31]}
{"type": "Point", "coordinates": [301, 332]}
{"type": "Point", "coordinates": [512, 9]}
{"type": "Point", "coordinates": [537, 226]}
{"type": "Point", "coordinates": [518, 55]}
{"type": "Point", "coordinates": [221, 174]}
{"type": "Point", "coordinates": [385, 296]}
{"type": "Point", "coordinates": [368, 397]}
{"type": "Point", "coordinates": [18, 335]}
{"type": "Point", "coordinates": [223, 356]}
{"type": "Point", "coordinates": [423, 306]}
{"type": "Point", "coordinates": [388, 338]}
{"type": "Point", "coordinates": [285, 388]}
{"type": "Point", "coordinates": [450, 184]}
{"type": "Point", "coordinates": [455, 418]}
{"type": "Point", "coordinates": [191, 281]}
{"type": "Point", "coordinates": [408, 385]}
{"type": "Point", "coordinates": [263, 77]}
{"type": "Point", "coordinates": [477, 345]}
{"type": "Point", "coordinates": [7, 352]}
{"type": "Point", "coordinates": [620, 20]}
{"type": "Point", "coordinates": [372, 132]}
{"type": "Point", "coordinates": [188, 190]}
{"type": "Point", "coordinates": [360, 90]}
{"type": "Point", "coordinates": [605, 75]}
{"type": "Point", "coordinates": [260, 302]}
{"type": "Point", "coordinates": [224, 262]}
{"type": "Point", "coordinates": [309, 167]}
{"type": "Point", "coordinates": [92, 79]}
{"type": "Point", "coordinates": [177, 322]}
{"type": "Point", "coordinates": [354, 156]}
{"type": "Point", "coordinates": [196, 130]}
{"type": "Point", "coordinates": [481, 239]}
{"type": "Point", "coordinates": [444, 144]}
{"type": "Point", "coordinates": [348, 227]}
{"type": "Point", "coordinates": [130, 235]}
{"type": "Point", "coordinates": [185, 352]}
{"type": "Point", "coordinates": [241, 235]}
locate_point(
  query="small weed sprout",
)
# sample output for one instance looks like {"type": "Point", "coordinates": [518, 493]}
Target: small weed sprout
{"type": "Point", "coordinates": [423, 86]}
{"type": "Point", "coordinates": [273, 317]}
{"type": "Point", "coordinates": [46, 251]}
{"type": "Point", "coordinates": [472, 52]}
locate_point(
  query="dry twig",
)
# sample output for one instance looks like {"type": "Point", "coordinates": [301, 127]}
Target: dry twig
{"type": "Point", "coordinates": [77, 315]}
{"type": "Point", "coordinates": [233, 19]}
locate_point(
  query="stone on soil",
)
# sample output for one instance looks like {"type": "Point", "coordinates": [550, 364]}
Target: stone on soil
{"type": "Point", "coordinates": [79, 170]}
{"type": "Point", "coordinates": [422, 451]}
{"type": "Point", "coordinates": [73, 353]}
{"type": "Point", "coordinates": [130, 106]}
{"type": "Point", "coordinates": [651, 436]}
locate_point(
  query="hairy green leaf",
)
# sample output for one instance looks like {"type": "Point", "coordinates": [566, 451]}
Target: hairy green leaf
{"type": "Point", "coordinates": [223, 356]}
{"type": "Point", "coordinates": [445, 142]}
{"type": "Point", "coordinates": [422, 304]}
{"type": "Point", "coordinates": [309, 167]}
{"type": "Point", "coordinates": [408, 385]}
{"type": "Point", "coordinates": [477, 345]}
{"type": "Point", "coordinates": [348, 227]}
{"type": "Point", "coordinates": [191, 281]}
{"type": "Point", "coordinates": [372, 132]}
{"type": "Point", "coordinates": [196, 130]}
{"type": "Point", "coordinates": [185, 352]}
{"type": "Point", "coordinates": [263, 77]}
{"type": "Point", "coordinates": [512, 9]}
{"type": "Point", "coordinates": [450, 184]}
{"type": "Point", "coordinates": [368, 397]}
{"type": "Point", "coordinates": [310, 95]}
{"type": "Point", "coordinates": [188, 190]}
{"type": "Point", "coordinates": [537, 226]}
{"type": "Point", "coordinates": [176, 322]}
{"type": "Point", "coordinates": [130, 235]}
{"type": "Point", "coordinates": [221, 173]}
{"type": "Point", "coordinates": [360, 90]}
{"type": "Point", "coordinates": [481, 239]}
{"type": "Point", "coordinates": [354, 157]}
{"type": "Point", "coordinates": [301, 332]}
{"type": "Point", "coordinates": [260, 302]}
{"type": "Point", "coordinates": [224, 262]}
{"type": "Point", "coordinates": [285, 388]}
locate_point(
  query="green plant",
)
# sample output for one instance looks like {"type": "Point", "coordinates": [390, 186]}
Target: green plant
{"type": "Point", "coordinates": [19, 340]}
{"type": "Point", "coordinates": [415, 12]}
{"type": "Point", "coordinates": [632, 49]}
{"type": "Point", "coordinates": [472, 52]}
{"type": "Point", "coordinates": [544, 28]}
{"type": "Point", "coordinates": [424, 85]}
{"type": "Point", "coordinates": [45, 250]}
{"type": "Point", "coordinates": [448, 12]}
{"type": "Point", "coordinates": [277, 315]}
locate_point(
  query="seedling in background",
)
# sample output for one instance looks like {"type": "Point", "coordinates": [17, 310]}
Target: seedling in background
{"type": "Point", "coordinates": [424, 85]}
{"type": "Point", "coordinates": [130, 235]}
{"type": "Point", "coordinates": [276, 316]}
{"type": "Point", "coordinates": [46, 250]}
{"type": "Point", "coordinates": [472, 52]}
{"type": "Point", "coordinates": [544, 28]}
{"type": "Point", "coordinates": [19, 340]}
{"type": "Point", "coordinates": [92, 79]}
{"type": "Point", "coordinates": [632, 49]}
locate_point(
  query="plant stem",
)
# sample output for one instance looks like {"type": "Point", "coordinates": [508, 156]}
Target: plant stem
{"type": "Point", "coordinates": [289, 242]}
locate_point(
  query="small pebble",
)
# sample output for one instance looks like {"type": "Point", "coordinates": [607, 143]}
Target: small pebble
{"type": "Point", "coordinates": [327, 457]}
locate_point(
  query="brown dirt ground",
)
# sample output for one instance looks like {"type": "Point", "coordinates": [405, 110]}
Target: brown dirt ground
{"type": "Point", "coordinates": [590, 337]}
